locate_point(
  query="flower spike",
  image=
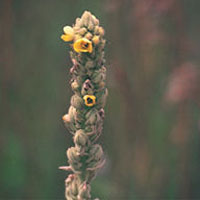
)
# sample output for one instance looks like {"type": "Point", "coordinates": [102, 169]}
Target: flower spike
{"type": "Point", "coordinates": [86, 113]}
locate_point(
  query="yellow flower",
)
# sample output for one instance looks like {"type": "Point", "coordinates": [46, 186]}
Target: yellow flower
{"type": "Point", "coordinates": [68, 34]}
{"type": "Point", "coordinates": [83, 45]}
{"type": "Point", "coordinates": [90, 100]}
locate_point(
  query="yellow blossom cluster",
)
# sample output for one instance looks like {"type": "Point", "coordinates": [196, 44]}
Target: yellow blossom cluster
{"type": "Point", "coordinates": [84, 36]}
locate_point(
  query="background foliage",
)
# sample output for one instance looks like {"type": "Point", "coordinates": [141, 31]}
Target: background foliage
{"type": "Point", "coordinates": [151, 132]}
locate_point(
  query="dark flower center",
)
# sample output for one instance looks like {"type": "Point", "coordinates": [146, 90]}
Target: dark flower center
{"type": "Point", "coordinates": [85, 45]}
{"type": "Point", "coordinates": [89, 100]}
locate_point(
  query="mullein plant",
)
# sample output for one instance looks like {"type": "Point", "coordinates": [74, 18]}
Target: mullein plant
{"type": "Point", "coordinates": [86, 112]}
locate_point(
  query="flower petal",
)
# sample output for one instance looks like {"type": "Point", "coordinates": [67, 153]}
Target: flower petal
{"type": "Point", "coordinates": [67, 38]}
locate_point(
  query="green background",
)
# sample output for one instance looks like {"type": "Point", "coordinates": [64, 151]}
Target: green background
{"type": "Point", "coordinates": [151, 131]}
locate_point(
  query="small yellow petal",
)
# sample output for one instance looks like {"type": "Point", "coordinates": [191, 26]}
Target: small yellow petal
{"type": "Point", "coordinates": [90, 48]}
{"type": "Point", "coordinates": [67, 38]}
{"type": "Point", "coordinates": [83, 45]}
{"type": "Point", "coordinates": [68, 34]}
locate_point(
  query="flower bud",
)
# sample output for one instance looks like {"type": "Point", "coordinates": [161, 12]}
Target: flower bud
{"type": "Point", "coordinates": [95, 20]}
{"type": "Point", "coordinates": [88, 35]}
{"type": "Point", "coordinates": [84, 192]}
{"type": "Point", "coordinates": [72, 155]}
{"type": "Point", "coordinates": [98, 76]}
{"type": "Point", "coordinates": [96, 152]}
{"type": "Point", "coordinates": [96, 30]}
{"type": "Point", "coordinates": [90, 25]}
{"type": "Point", "coordinates": [68, 193]}
{"type": "Point", "coordinates": [74, 85]}
{"type": "Point", "coordinates": [69, 179]}
{"type": "Point", "coordinates": [88, 85]}
{"type": "Point", "coordinates": [71, 113]}
{"type": "Point", "coordinates": [82, 31]}
{"type": "Point", "coordinates": [71, 186]}
{"type": "Point", "coordinates": [101, 31]}
{"type": "Point", "coordinates": [86, 18]}
{"type": "Point", "coordinates": [66, 118]}
{"type": "Point", "coordinates": [80, 138]}
{"type": "Point", "coordinates": [95, 39]}
{"type": "Point", "coordinates": [87, 88]}
{"type": "Point", "coordinates": [92, 116]}
{"type": "Point", "coordinates": [78, 22]}
{"type": "Point", "coordinates": [68, 124]}
{"type": "Point", "coordinates": [76, 101]}
{"type": "Point", "coordinates": [74, 189]}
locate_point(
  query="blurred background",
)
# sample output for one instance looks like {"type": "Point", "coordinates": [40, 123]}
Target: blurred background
{"type": "Point", "coordinates": [151, 134]}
